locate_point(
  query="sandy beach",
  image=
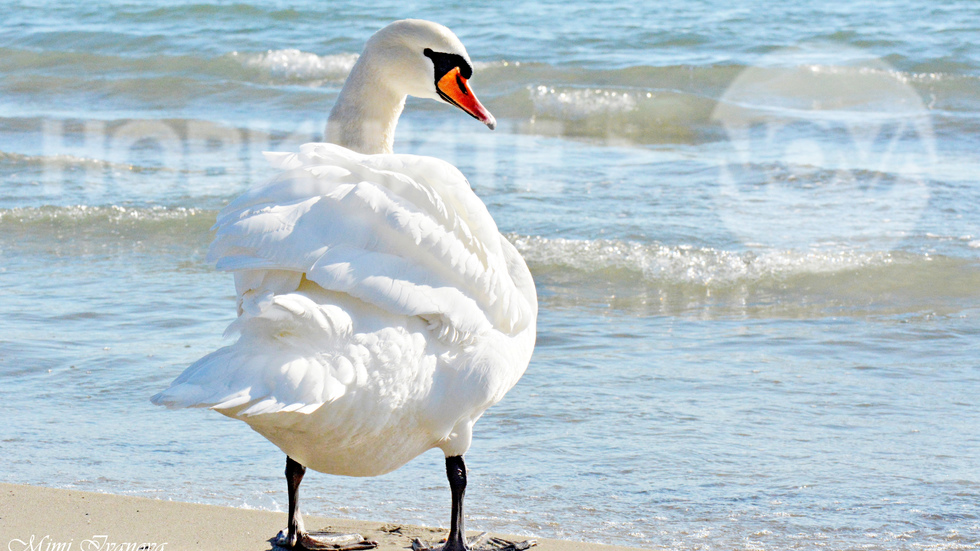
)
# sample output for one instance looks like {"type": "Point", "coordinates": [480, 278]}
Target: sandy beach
{"type": "Point", "coordinates": [36, 518]}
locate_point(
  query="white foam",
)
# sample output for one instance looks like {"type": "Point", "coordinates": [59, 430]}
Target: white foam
{"type": "Point", "coordinates": [111, 214]}
{"type": "Point", "coordinates": [581, 103]}
{"type": "Point", "coordinates": [691, 265]}
{"type": "Point", "coordinates": [482, 65]}
{"type": "Point", "coordinates": [298, 65]}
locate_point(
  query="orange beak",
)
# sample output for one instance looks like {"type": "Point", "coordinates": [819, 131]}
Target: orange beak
{"type": "Point", "coordinates": [453, 88]}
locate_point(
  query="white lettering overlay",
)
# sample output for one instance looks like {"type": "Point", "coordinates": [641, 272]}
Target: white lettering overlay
{"type": "Point", "coordinates": [95, 543]}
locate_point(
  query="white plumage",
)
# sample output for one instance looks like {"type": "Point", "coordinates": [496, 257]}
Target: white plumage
{"type": "Point", "coordinates": [381, 311]}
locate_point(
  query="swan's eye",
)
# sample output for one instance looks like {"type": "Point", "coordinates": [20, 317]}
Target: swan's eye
{"type": "Point", "coordinates": [442, 63]}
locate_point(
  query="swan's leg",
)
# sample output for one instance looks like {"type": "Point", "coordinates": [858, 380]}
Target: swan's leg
{"type": "Point", "coordinates": [294, 476]}
{"type": "Point", "coordinates": [298, 538]}
{"type": "Point", "coordinates": [456, 540]}
{"type": "Point", "coordinates": [456, 472]}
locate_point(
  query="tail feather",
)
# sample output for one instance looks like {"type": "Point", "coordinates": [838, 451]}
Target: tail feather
{"type": "Point", "coordinates": [277, 363]}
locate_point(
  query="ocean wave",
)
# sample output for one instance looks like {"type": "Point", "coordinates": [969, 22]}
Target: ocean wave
{"type": "Point", "coordinates": [660, 278]}
{"type": "Point", "coordinates": [80, 230]}
{"type": "Point", "coordinates": [676, 104]}
{"type": "Point", "coordinates": [19, 161]}
{"type": "Point", "coordinates": [54, 69]}
{"type": "Point", "coordinates": [205, 12]}
{"type": "Point", "coordinates": [85, 214]}
{"type": "Point", "coordinates": [689, 265]}
{"type": "Point", "coordinates": [296, 65]}
{"type": "Point", "coordinates": [577, 104]}
{"type": "Point", "coordinates": [79, 64]}
{"type": "Point", "coordinates": [621, 274]}
{"type": "Point", "coordinates": [640, 104]}
{"type": "Point", "coordinates": [619, 114]}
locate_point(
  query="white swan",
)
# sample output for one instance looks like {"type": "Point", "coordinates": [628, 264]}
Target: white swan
{"type": "Point", "coordinates": [381, 312]}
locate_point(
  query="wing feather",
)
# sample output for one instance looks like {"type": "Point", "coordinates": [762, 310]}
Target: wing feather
{"type": "Point", "coordinates": [402, 233]}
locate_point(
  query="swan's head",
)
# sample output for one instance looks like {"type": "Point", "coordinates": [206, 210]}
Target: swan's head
{"type": "Point", "coordinates": [426, 60]}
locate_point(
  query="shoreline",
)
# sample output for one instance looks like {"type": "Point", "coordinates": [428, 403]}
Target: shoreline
{"type": "Point", "coordinates": [40, 518]}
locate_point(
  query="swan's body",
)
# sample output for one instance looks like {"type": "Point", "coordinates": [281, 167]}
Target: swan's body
{"type": "Point", "coordinates": [381, 312]}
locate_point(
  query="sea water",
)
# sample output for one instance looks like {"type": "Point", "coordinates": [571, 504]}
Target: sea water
{"type": "Point", "coordinates": [754, 232]}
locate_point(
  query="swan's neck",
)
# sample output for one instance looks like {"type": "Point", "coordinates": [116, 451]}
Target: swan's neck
{"type": "Point", "coordinates": [367, 111]}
